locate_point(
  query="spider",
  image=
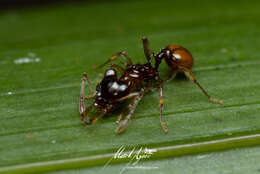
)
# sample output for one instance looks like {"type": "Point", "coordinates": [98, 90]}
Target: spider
{"type": "Point", "coordinates": [135, 80]}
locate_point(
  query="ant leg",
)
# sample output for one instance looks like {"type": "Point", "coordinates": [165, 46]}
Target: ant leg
{"type": "Point", "coordinates": [192, 78]}
{"type": "Point", "coordinates": [132, 107]}
{"type": "Point", "coordinates": [147, 51]}
{"type": "Point", "coordinates": [161, 101]}
{"type": "Point", "coordinates": [114, 57]}
{"type": "Point", "coordinates": [82, 109]}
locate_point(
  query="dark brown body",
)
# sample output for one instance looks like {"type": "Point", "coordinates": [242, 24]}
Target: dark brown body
{"type": "Point", "coordinates": [134, 81]}
{"type": "Point", "coordinates": [111, 89]}
{"type": "Point", "coordinates": [137, 75]}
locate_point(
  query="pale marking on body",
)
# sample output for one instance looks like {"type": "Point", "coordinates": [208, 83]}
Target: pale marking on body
{"type": "Point", "coordinates": [177, 56]}
{"type": "Point", "coordinates": [110, 72]}
{"type": "Point", "coordinates": [136, 71]}
{"type": "Point", "coordinates": [122, 87]}
{"type": "Point", "coordinates": [134, 75]}
{"type": "Point", "coordinates": [115, 85]}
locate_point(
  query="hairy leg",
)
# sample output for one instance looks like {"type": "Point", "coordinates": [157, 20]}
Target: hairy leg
{"type": "Point", "coordinates": [129, 96]}
{"type": "Point", "coordinates": [192, 78]}
{"type": "Point", "coordinates": [161, 101]}
{"type": "Point", "coordinates": [114, 57]}
{"type": "Point", "coordinates": [171, 76]}
{"type": "Point", "coordinates": [94, 118]}
{"type": "Point", "coordinates": [147, 51]}
{"type": "Point", "coordinates": [82, 108]}
{"type": "Point", "coordinates": [132, 107]}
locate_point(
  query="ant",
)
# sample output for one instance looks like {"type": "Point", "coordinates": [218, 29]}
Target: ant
{"type": "Point", "coordinates": [135, 81]}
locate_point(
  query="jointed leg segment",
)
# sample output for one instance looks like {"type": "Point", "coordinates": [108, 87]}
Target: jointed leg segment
{"type": "Point", "coordinates": [114, 57]}
{"type": "Point", "coordinates": [82, 108]}
{"type": "Point", "coordinates": [171, 76]}
{"type": "Point", "coordinates": [192, 78]}
{"type": "Point", "coordinates": [147, 51]}
{"type": "Point", "coordinates": [131, 95]}
{"type": "Point", "coordinates": [132, 107]}
{"type": "Point", "coordinates": [118, 67]}
{"type": "Point", "coordinates": [161, 110]}
{"type": "Point", "coordinates": [94, 118]}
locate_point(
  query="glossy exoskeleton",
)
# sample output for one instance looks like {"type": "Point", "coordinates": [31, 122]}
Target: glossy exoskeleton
{"type": "Point", "coordinates": [134, 81]}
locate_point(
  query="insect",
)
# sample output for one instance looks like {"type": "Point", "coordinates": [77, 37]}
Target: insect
{"type": "Point", "coordinates": [135, 80]}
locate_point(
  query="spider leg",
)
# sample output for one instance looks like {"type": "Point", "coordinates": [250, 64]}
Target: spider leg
{"type": "Point", "coordinates": [82, 108]}
{"type": "Point", "coordinates": [84, 116]}
{"type": "Point", "coordinates": [118, 67]}
{"type": "Point", "coordinates": [131, 95]}
{"type": "Point", "coordinates": [95, 118]}
{"type": "Point", "coordinates": [171, 76]}
{"type": "Point", "coordinates": [147, 51]}
{"type": "Point", "coordinates": [132, 107]}
{"type": "Point", "coordinates": [119, 118]}
{"type": "Point", "coordinates": [161, 101]}
{"type": "Point", "coordinates": [114, 57]}
{"type": "Point", "coordinates": [188, 73]}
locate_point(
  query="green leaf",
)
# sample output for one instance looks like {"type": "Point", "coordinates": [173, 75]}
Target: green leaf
{"type": "Point", "coordinates": [45, 50]}
{"type": "Point", "coordinates": [221, 162]}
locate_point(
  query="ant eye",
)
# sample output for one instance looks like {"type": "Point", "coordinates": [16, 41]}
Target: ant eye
{"type": "Point", "coordinates": [110, 73]}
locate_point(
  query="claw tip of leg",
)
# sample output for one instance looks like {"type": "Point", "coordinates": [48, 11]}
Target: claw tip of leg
{"type": "Point", "coordinates": [120, 130]}
{"type": "Point", "coordinates": [216, 101]}
{"type": "Point", "coordinates": [165, 131]}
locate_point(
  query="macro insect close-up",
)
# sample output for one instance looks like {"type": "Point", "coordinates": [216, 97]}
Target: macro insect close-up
{"type": "Point", "coordinates": [123, 87]}
{"type": "Point", "coordinates": [135, 80]}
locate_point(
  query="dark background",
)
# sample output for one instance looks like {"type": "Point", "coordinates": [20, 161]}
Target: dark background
{"type": "Point", "coordinates": [21, 4]}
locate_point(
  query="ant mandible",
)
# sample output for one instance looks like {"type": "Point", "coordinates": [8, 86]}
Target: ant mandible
{"type": "Point", "coordinates": [135, 81]}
